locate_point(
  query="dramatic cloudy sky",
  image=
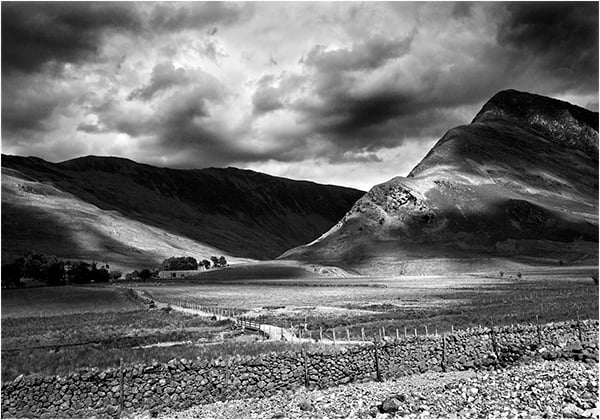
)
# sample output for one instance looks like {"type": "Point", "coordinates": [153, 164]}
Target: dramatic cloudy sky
{"type": "Point", "coordinates": [343, 93]}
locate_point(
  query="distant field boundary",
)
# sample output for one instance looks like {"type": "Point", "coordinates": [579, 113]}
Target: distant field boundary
{"type": "Point", "coordinates": [180, 384]}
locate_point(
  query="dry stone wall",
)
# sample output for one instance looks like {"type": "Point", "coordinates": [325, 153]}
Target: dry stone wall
{"type": "Point", "coordinates": [182, 383]}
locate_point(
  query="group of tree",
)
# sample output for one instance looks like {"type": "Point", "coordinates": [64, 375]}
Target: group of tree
{"type": "Point", "coordinates": [144, 274]}
{"type": "Point", "coordinates": [179, 263]}
{"type": "Point", "coordinates": [52, 271]}
{"type": "Point", "coordinates": [218, 262]}
{"type": "Point", "coordinates": [190, 263]}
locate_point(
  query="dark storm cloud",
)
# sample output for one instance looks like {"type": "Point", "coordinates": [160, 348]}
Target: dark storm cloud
{"type": "Point", "coordinates": [562, 37]}
{"type": "Point", "coordinates": [90, 128]}
{"type": "Point", "coordinates": [369, 54]}
{"type": "Point", "coordinates": [354, 115]}
{"type": "Point", "coordinates": [266, 99]}
{"type": "Point", "coordinates": [37, 33]}
{"type": "Point", "coordinates": [30, 105]}
{"type": "Point", "coordinates": [164, 76]}
{"type": "Point", "coordinates": [184, 85]}
{"type": "Point", "coordinates": [194, 15]}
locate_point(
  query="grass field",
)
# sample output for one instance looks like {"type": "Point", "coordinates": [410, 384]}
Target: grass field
{"type": "Point", "coordinates": [56, 330]}
{"type": "Point", "coordinates": [219, 341]}
{"type": "Point", "coordinates": [412, 302]}
{"type": "Point", "coordinates": [64, 300]}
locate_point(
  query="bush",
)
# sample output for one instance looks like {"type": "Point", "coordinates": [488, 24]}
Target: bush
{"type": "Point", "coordinates": [595, 277]}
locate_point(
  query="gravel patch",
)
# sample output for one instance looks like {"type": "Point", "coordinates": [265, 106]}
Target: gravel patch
{"type": "Point", "coordinates": [544, 389]}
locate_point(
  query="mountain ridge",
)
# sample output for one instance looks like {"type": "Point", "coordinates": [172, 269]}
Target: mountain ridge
{"type": "Point", "coordinates": [485, 190]}
{"type": "Point", "coordinates": [238, 212]}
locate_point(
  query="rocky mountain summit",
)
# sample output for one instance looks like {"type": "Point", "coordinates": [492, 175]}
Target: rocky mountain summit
{"type": "Point", "coordinates": [519, 185]}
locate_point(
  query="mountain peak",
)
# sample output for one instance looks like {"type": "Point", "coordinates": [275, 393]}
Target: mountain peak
{"type": "Point", "coordinates": [554, 119]}
{"type": "Point", "coordinates": [517, 186]}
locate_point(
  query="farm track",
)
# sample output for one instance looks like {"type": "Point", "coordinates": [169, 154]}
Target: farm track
{"type": "Point", "coordinates": [273, 332]}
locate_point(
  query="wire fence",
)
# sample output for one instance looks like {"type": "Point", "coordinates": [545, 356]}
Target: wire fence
{"type": "Point", "coordinates": [338, 335]}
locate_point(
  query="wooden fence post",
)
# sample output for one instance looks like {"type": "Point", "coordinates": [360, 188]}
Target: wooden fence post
{"type": "Point", "coordinates": [579, 326]}
{"type": "Point", "coordinates": [397, 334]}
{"type": "Point", "coordinates": [305, 357]}
{"type": "Point", "coordinates": [405, 331]}
{"type": "Point", "coordinates": [377, 371]}
{"type": "Point", "coordinates": [426, 332]}
{"type": "Point", "coordinates": [347, 334]}
{"type": "Point", "coordinates": [362, 333]}
{"type": "Point", "coordinates": [444, 352]}
{"type": "Point", "coordinates": [416, 332]}
{"type": "Point", "coordinates": [493, 337]}
{"type": "Point", "coordinates": [383, 333]}
{"type": "Point", "coordinates": [452, 328]}
{"type": "Point", "coordinates": [320, 333]}
{"type": "Point", "coordinates": [333, 330]}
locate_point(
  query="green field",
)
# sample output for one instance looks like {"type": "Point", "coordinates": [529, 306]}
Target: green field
{"type": "Point", "coordinates": [395, 303]}
{"type": "Point", "coordinates": [54, 330]}
{"type": "Point", "coordinates": [64, 300]}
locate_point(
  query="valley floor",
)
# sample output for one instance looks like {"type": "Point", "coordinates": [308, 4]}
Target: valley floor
{"type": "Point", "coordinates": [549, 389]}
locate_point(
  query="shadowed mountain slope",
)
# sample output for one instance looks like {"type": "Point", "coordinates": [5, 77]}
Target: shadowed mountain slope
{"type": "Point", "coordinates": [117, 208]}
{"type": "Point", "coordinates": [519, 185]}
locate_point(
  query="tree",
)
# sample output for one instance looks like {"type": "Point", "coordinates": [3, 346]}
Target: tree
{"type": "Point", "coordinates": [34, 264]}
{"type": "Point", "coordinates": [99, 275]}
{"type": "Point", "coordinates": [205, 263]}
{"type": "Point", "coordinates": [54, 272]}
{"type": "Point", "coordinates": [115, 274]}
{"type": "Point", "coordinates": [81, 272]}
{"type": "Point", "coordinates": [11, 275]}
{"type": "Point", "coordinates": [145, 274]}
{"type": "Point", "coordinates": [179, 263]}
{"type": "Point", "coordinates": [215, 261]}
{"type": "Point", "coordinates": [222, 261]}
{"type": "Point", "coordinates": [46, 268]}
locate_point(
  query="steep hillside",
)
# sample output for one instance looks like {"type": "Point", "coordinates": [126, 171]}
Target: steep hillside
{"type": "Point", "coordinates": [119, 209]}
{"type": "Point", "coordinates": [518, 185]}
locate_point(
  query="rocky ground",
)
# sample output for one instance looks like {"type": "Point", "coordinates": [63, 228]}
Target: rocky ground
{"type": "Point", "coordinates": [546, 389]}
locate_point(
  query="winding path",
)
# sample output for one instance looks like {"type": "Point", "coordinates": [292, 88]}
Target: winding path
{"type": "Point", "coordinates": [272, 332]}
